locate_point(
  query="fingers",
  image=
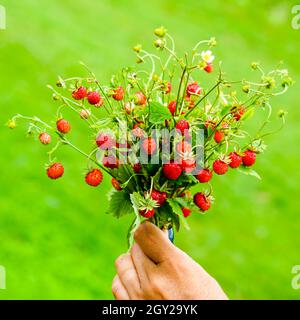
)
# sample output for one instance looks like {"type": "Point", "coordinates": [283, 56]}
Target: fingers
{"type": "Point", "coordinates": [118, 289]}
{"type": "Point", "coordinates": [128, 275]}
{"type": "Point", "coordinates": [143, 265]}
{"type": "Point", "coordinates": [153, 242]}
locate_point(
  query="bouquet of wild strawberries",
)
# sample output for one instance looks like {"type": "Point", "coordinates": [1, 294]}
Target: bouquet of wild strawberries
{"type": "Point", "coordinates": [165, 129]}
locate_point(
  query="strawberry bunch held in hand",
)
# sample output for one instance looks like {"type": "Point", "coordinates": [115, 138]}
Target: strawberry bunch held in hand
{"type": "Point", "coordinates": [165, 130]}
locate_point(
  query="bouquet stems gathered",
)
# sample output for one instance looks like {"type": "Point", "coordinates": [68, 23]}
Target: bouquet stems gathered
{"type": "Point", "coordinates": [165, 130]}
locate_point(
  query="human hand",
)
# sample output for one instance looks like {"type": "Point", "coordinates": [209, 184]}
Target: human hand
{"type": "Point", "coordinates": [156, 269]}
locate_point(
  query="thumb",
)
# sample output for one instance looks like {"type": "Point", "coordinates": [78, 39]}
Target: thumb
{"type": "Point", "coordinates": [154, 242]}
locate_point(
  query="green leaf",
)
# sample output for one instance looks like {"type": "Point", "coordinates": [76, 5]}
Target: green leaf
{"type": "Point", "coordinates": [120, 204]}
{"type": "Point", "coordinates": [176, 207]}
{"type": "Point", "coordinates": [158, 113]}
{"type": "Point", "coordinates": [249, 172]}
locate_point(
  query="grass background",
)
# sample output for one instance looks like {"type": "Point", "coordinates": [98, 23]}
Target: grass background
{"type": "Point", "coordinates": [55, 240]}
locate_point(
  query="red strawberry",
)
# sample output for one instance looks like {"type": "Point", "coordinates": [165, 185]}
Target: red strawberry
{"type": "Point", "coordinates": [94, 178]}
{"type": "Point", "coordinates": [193, 88]}
{"type": "Point", "coordinates": [172, 170]}
{"type": "Point", "coordinates": [183, 147]}
{"type": "Point", "coordinates": [118, 93]}
{"type": "Point", "coordinates": [110, 161]}
{"type": "Point", "coordinates": [149, 145]}
{"type": "Point", "coordinates": [188, 165]}
{"type": "Point", "coordinates": [235, 160]}
{"type": "Point", "coordinates": [169, 88]}
{"type": "Point", "coordinates": [147, 213]}
{"type": "Point", "coordinates": [182, 125]}
{"type": "Point", "coordinates": [55, 171]}
{"type": "Point", "coordinates": [116, 184]}
{"type": "Point", "coordinates": [219, 136]}
{"type": "Point", "coordinates": [249, 158]}
{"type": "Point", "coordinates": [204, 175]}
{"type": "Point", "coordinates": [172, 107]}
{"type": "Point", "coordinates": [137, 131]}
{"type": "Point", "coordinates": [137, 167]}
{"type": "Point", "coordinates": [79, 93]}
{"type": "Point", "coordinates": [220, 167]}
{"type": "Point", "coordinates": [45, 138]}
{"type": "Point", "coordinates": [140, 99]}
{"type": "Point", "coordinates": [209, 68]}
{"type": "Point", "coordinates": [105, 141]}
{"type": "Point", "coordinates": [202, 201]}
{"type": "Point", "coordinates": [93, 97]}
{"type": "Point", "coordinates": [186, 211]}
{"type": "Point", "coordinates": [63, 126]}
{"type": "Point", "coordinates": [159, 197]}
{"type": "Point", "coordinates": [100, 103]}
{"type": "Point", "coordinates": [240, 111]}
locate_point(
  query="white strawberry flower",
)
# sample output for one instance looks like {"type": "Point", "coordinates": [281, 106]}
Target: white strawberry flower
{"type": "Point", "coordinates": [207, 56]}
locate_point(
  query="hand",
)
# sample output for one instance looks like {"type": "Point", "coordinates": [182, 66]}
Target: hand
{"type": "Point", "coordinates": [156, 269]}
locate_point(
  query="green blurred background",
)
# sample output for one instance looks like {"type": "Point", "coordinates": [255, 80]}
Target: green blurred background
{"type": "Point", "coordinates": [55, 239]}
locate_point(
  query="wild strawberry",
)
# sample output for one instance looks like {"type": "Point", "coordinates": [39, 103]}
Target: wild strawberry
{"type": "Point", "coordinates": [186, 211]}
{"type": "Point", "coordinates": [45, 138]}
{"type": "Point", "coordinates": [235, 160]}
{"type": "Point", "coordinates": [249, 158]}
{"type": "Point", "coordinates": [116, 184]}
{"type": "Point", "coordinates": [149, 145]}
{"type": "Point", "coordinates": [147, 213]}
{"type": "Point", "coordinates": [239, 112]}
{"type": "Point", "coordinates": [140, 99]}
{"type": "Point", "coordinates": [188, 165]}
{"type": "Point", "coordinates": [119, 94]}
{"type": "Point", "coordinates": [172, 171]}
{"type": "Point", "coordinates": [219, 136]}
{"type": "Point", "coordinates": [105, 141]}
{"type": "Point", "coordinates": [137, 131]}
{"type": "Point", "coordinates": [172, 107]}
{"type": "Point", "coordinates": [183, 147]}
{"type": "Point", "coordinates": [63, 126]}
{"type": "Point", "coordinates": [93, 97]}
{"type": "Point", "coordinates": [79, 93]}
{"type": "Point", "coordinates": [94, 178]}
{"type": "Point", "coordinates": [202, 201]}
{"type": "Point", "coordinates": [100, 103]}
{"type": "Point", "coordinates": [168, 88]}
{"type": "Point", "coordinates": [84, 113]}
{"type": "Point", "coordinates": [55, 171]}
{"type": "Point", "coordinates": [159, 197]}
{"type": "Point", "coordinates": [193, 88]}
{"type": "Point", "coordinates": [209, 68]}
{"type": "Point", "coordinates": [220, 167]}
{"type": "Point", "coordinates": [110, 161]}
{"type": "Point", "coordinates": [137, 167]}
{"type": "Point", "coordinates": [204, 175]}
{"type": "Point", "coordinates": [182, 125]}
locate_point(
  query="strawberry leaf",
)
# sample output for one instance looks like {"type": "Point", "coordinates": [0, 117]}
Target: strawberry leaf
{"type": "Point", "coordinates": [119, 204]}
{"type": "Point", "coordinates": [158, 113]}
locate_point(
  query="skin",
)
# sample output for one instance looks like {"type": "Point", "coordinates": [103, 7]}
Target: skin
{"type": "Point", "coordinates": [156, 269]}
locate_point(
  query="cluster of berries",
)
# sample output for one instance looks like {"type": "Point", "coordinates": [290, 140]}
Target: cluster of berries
{"type": "Point", "coordinates": [161, 100]}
